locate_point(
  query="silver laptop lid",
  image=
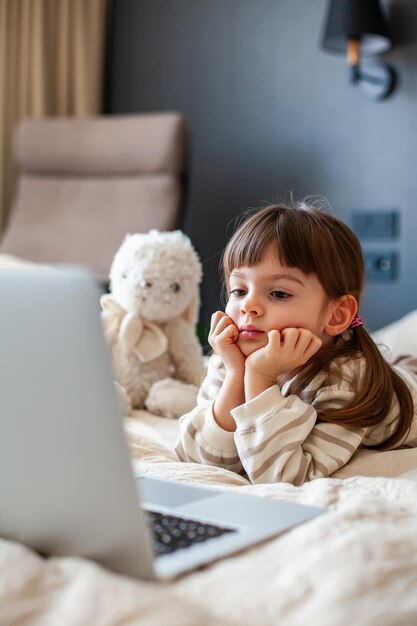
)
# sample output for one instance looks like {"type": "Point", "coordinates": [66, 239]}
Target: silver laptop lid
{"type": "Point", "coordinates": [56, 395]}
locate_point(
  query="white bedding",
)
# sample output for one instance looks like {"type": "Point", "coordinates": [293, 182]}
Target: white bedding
{"type": "Point", "coordinates": [355, 564]}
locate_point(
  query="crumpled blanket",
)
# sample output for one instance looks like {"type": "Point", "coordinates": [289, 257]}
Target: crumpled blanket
{"type": "Point", "coordinates": [356, 564]}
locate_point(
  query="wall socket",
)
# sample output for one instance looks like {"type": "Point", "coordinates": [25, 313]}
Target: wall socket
{"type": "Point", "coordinates": [381, 265]}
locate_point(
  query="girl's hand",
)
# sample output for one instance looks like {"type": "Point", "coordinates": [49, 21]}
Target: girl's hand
{"type": "Point", "coordinates": [284, 352]}
{"type": "Point", "coordinates": [222, 338]}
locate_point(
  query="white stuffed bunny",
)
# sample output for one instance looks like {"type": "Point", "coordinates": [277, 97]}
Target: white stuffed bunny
{"type": "Point", "coordinates": [150, 319]}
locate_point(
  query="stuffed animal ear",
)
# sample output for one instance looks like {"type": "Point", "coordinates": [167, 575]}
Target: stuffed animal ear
{"type": "Point", "coordinates": [190, 314]}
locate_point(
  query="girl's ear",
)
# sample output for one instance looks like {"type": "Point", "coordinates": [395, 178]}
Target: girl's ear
{"type": "Point", "coordinates": [342, 313]}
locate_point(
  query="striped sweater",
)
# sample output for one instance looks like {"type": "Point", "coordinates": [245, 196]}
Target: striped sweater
{"type": "Point", "coordinates": [278, 437]}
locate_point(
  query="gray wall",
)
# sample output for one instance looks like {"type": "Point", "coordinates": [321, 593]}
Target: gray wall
{"type": "Point", "coordinates": [269, 112]}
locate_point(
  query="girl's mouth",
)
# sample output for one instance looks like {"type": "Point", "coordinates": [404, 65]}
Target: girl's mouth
{"type": "Point", "coordinates": [250, 334]}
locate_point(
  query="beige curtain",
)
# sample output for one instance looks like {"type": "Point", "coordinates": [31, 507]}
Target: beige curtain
{"type": "Point", "coordinates": [51, 63]}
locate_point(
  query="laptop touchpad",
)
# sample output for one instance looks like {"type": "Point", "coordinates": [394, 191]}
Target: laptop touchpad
{"type": "Point", "coordinates": [170, 493]}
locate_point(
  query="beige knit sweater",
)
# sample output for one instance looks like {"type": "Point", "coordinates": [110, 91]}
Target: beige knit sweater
{"type": "Point", "coordinates": [278, 437]}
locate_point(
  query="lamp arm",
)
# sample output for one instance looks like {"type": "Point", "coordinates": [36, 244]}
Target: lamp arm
{"type": "Point", "coordinates": [367, 78]}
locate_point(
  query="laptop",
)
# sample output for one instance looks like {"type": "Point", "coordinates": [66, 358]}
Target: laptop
{"type": "Point", "coordinates": [66, 482]}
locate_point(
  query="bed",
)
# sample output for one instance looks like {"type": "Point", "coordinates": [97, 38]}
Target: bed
{"type": "Point", "coordinates": [355, 564]}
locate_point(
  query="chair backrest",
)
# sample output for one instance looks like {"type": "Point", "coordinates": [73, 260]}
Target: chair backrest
{"type": "Point", "coordinates": [83, 184]}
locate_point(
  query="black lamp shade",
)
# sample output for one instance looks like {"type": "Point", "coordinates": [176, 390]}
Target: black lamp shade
{"type": "Point", "coordinates": [356, 19]}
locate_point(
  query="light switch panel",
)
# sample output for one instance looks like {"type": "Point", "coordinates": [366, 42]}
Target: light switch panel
{"type": "Point", "coordinates": [378, 224]}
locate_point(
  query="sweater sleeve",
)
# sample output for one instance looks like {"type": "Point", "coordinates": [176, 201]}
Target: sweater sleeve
{"type": "Point", "coordinates": [279, 439]}
{"type": "Point", "coordinates": [201, 439]}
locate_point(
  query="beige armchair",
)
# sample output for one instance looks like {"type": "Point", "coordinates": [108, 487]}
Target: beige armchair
{"type": "Point", "coordinates": [84, 183]}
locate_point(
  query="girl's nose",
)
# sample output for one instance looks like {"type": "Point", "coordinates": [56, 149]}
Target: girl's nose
{"type": "Point", "coordinates": [251, 306]}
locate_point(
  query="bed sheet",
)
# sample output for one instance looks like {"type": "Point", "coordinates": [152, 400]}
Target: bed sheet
{"type": "Point", "coordinates": [357, 563]}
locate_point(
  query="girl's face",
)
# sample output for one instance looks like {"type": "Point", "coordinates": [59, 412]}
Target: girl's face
{"type": "Point", "coordinates": [270, 296]}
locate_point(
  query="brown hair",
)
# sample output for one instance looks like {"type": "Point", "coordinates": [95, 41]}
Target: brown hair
{"type": "Point", "coordinates": [318, 243]}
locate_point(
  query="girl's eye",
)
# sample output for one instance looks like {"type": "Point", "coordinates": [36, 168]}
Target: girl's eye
{"type": "Point", "coordinates": [280, 295]}
{"type": "Point", "coordinates": [175, 287]}
{"type": "Point", "coordinates": [238, 293]}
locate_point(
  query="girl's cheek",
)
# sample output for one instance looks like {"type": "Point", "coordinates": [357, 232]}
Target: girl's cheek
{"type": "Point", "coordinates": [229, 311]}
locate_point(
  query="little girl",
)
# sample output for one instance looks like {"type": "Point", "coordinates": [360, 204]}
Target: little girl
{"type": "Point", "coordinates": [296, 384]}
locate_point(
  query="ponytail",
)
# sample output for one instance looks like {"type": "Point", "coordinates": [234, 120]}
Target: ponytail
{"type": "Point", "coordinates": [379, 386]}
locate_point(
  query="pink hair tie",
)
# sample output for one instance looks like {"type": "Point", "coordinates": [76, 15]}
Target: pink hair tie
{"type": "Point", "coordinates": [356, 322]}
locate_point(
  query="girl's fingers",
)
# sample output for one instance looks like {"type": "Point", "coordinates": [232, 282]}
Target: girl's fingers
{"type": "Point", "coordinates": [305, 337]}
{"type": "Point", "coordinates": [300, 340]}
{"type": "Point", "coordinates": [307, 344]}
{"type": "Point", "coordinates": [274, 339]}
{"type": "Point", "coordinates": [230, 332]}
{"type": "Point", "coordinates": [215, 318]}
{"type": "Point", "coordinates": [290, 337]}
{"type": "Point", "coordinates": [227, 336]}
{"type": "Point", "coordinates": [223, 323]}
{"type": "Point", "coordinates": [313, 347]}
{"type": "Point", "coordinates": [219, 322]}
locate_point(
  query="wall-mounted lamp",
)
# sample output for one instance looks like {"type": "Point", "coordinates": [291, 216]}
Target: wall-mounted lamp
{"type": "Point", "coordinates": [359, 28]}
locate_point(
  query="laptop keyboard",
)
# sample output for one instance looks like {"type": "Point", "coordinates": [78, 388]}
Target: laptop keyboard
{"type": "Point", "coordinates": [171, 533]}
